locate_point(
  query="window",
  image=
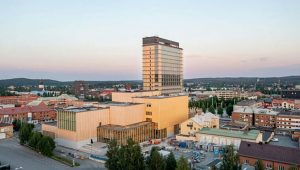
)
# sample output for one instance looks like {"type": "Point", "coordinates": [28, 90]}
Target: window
{"type": "Point", "coordinates": [148, 105]}
{"type": "Point", "coordinates": [148, 113]}
{"type": "Point", "coordinates": [269, 166]}
{"type": "Point", "coordinates": [246, 161]}
{"type": "Point", "coordinates": [148, 119]}
{"type": "Point", "coordinates": [280, 167]}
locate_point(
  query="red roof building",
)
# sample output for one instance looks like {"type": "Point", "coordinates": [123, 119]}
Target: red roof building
{"type": "Point", "coordinates": [273, 156]}
{"type": "Point", "coordinates": [27, 113]}
{"type": "Point", "coordinates": [18, 100]}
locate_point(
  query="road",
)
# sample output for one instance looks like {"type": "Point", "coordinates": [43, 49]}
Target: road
{"type": "Point", "coordinates": [24, 158]}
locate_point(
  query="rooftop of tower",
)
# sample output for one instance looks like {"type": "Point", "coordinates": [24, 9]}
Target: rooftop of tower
{"type": "Point", "coordinates": [157, 40]}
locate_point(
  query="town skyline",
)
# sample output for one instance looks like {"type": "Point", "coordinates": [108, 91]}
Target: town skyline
{"type": "Point", "coordinates": [92, 41]}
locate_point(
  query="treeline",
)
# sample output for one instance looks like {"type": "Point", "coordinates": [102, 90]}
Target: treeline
{"type": "Point", "coordinates": [35, 140]}
{"type": "Point", "coordinates": [130, 157]}
{"type": "Point", "coordinates": [215, 105]}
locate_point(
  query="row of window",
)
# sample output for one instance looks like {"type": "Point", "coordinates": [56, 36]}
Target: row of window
{"type": "Point", "coordinates": [268, 165]}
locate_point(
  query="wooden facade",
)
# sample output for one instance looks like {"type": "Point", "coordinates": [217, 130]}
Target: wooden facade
{"type": "Point", "coordinates": [139, 132]}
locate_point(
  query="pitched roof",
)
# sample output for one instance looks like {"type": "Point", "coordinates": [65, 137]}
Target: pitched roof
{"type": "Point", "coordinates": [270, 152]}
{"type": "Point", "coordinates": [25, 109]}
{"type": "Point", "coordinates": [200, 119]}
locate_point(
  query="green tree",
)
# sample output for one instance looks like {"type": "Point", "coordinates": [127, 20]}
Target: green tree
{"type": "Point", "coordinates": [112, 155]}
{"type": "Point", "coordinates": [155, 160]}
{"type": "Point", "coordinates": [24, 134]}
{"type": "Point", "coordinates": [182, 164]}
{"type": "Point", "coordinates": [204, 108]}
{"type": "Point", "coordinates": [16, 124]}
{"type": "Point", "coordinates": [34, 139]}
{"type": "Point", "coordinates": [230, 159]}
{"type": "Point", "coordinates": [212, 110]}
{"type": "Point", "coordinates": [46, 145]}
{"type": "Point", "coordinates": [220, 111]}
{"type": "Point", "coordinates": [133, 155]}
{"type": "Point", "coordinates": [125, 157]}
{"type": "Point", "coordinates": [259, 165]}
{"type": "Point", "coordinates": [229, 109]}
{"type": "Point", "coordinates": [171, 163]}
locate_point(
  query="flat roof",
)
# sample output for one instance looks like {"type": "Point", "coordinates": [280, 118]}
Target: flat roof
{"type": "Point", "coordinates": [252, 134]}
{"type": "Point", "coordinates": [5, 124]}
{"type": "Point", "coordinates": [112, 103]}
{"type": "Point", "coordinates": [159, 97]}
{"type": "Point", "coordinates": [51, 123]}
{"type": "Point", "coordinates": [79, 109]}
{"type": "Point", "coordinates": [290, 113]}
{"type": "Point", "coordinates": [123, 128]}
{"type": "Point", "coordinates": [161, 41]}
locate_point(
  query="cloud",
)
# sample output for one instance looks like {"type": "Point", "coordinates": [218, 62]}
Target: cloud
{"type": "Point", "coordinates": [263, 59]}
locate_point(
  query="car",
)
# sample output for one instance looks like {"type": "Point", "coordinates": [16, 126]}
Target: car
{"type": "Point", "coordinates": [274, 139]}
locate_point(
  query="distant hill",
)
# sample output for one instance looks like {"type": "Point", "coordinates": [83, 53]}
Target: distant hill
{"type": "Point", "coordinates": [288, 80]}
{"type": "Point", "coordinates": [49, 82]}
{"type": "Point", "coordinates": [28, 82]}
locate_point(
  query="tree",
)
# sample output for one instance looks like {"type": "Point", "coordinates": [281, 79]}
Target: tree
{"type": "Point", "coordinates": [16, 124]}
{"type": "Point", "coordinates": [182, 164]}
{"type": "Point", "coordinates": [34, 139]}
{"type": "Point", "coordinates": [212, 110]}
{"type": "Point", "coordinates": [230, 159]}
{"type": "Point", "coordinates": [127, 157]}
{"type": "Point", "coordinates": [171, 163]}
{"type": "Point", "coordinates": [24, 134]}
{"type": "Point", "coordinates": [220, 111]}
{"type": "Point", "coordinates": [259, 165]}
{"type": "Point", "coordinates": [133, 155]}
{"type": "Point", "coordinates": [156, 160]}
{"type": "Point", "coordinates": [229, 109]}
{"type": "Point", "coordinates": [203, 108]}
{"type": "Point", "coordinates": [46, 145]}
{"type": "Point", "coordinates": [112, 155]}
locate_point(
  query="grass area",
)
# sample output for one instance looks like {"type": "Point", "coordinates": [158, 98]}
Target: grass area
{"type": "Point", "coordinates": [63, 160]}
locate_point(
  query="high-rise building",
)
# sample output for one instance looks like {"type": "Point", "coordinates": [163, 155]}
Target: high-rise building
{"type": "Point", "coordinates": [80, 89]}
{"type": "Point", "coordinates": [162, 65]}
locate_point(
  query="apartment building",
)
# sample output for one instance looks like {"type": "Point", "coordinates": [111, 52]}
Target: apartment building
{"type": "Point", "coordinates": [80, 89]}
{"type": "Point", "coordinates": [288, 120]}
{"type": "Point", "coordinates": [18, 100]}
{"type": "Point", "coordinates": [255, 116]}
{"type": "Point", "coordinates": [272, 156]}
{"type": "Point", "coordinates": [230, 94]}
{"type": "Point", "coordinates": [162, 65]}
{"type": "Point", "coordinates": [30, 114]}
{"type": "Point", "coordinates": [283, 103]}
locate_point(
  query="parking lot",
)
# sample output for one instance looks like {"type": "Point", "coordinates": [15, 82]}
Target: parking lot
{"type": "Point", "coordinates": [20, 157]}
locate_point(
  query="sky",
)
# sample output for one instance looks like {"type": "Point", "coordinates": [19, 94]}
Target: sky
{"type": "Point", "coordinates": [102, 40]}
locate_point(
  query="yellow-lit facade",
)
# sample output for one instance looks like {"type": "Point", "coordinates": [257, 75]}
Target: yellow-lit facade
{"type": "Point", "coordinates": [166, 112]}
{"type": "Point", "coordinates": [193, 125]}
{"type": "Point", "coordinates": [162, 65]}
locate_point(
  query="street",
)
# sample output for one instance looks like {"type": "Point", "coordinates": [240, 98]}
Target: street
{"type": "Point", "coordinates": [20, 157]}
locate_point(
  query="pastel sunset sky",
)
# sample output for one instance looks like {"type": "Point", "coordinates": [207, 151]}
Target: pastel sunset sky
{"type": "Point", "coordinates": [102, 40]}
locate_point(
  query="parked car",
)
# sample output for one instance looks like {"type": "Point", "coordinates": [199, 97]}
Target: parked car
{"type": "Point", "coordinates": [274, 139]}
